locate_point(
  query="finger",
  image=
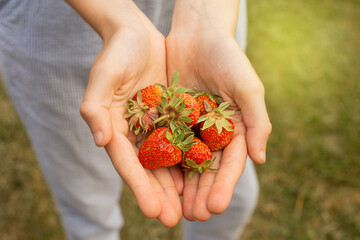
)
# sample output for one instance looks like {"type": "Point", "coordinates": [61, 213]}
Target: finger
{"type": "Point", "coordinates": [246, 89]}
{"type": "Point", "coordinates": [167, 184]}
{"type": "Point", "coordinates": [169, 216]}
{"type": "Point", "coordinates": [131, 171]}
{"type": "Point", "coordinates": [189, 196]}
{"type": "Point", "coordinates": [231, 167]}
{"type": "Point", "coordinates": [207, 178]}
{"type": "Point", "coordinates": [255, 117]}
{"type": "Point", "coordinates": [258, 129]}
{"type": "Point", "coordinates": [178, 177]}
{"type": "Point", "coordinates": [95, 107]}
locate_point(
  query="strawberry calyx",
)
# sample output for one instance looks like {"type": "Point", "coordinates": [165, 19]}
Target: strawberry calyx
{"type": "Point", "coordinates": [173, 112]}
{"type": "Point", "coordinates": [141, 116]}
{"type": "Point", "coordinates": [173, 89]}
{"type": "Point", "coordinates": [180, 136]}
{"type": "Point", "coordinates": [190, 164]}
{"type": "Point", "coordinates": [201, 97]}
{"type": "Point", "coordinates": [172, 107]}
{"type": "Point", "coordinates": [218, 116]}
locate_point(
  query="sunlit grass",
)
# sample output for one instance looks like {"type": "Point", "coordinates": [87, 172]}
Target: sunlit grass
{"type": "Point", "coordinates": [308, 59]}
{"type": "Point", "coordinates": [307, 55]}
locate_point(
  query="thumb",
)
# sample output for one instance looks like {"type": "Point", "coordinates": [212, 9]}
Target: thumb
{"type": "Point", "coordinates": [258, 127]}
{"type": "Point", "coordinates": [95, 109]}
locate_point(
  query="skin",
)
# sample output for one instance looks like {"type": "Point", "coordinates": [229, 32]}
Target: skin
{"type": "Point", "coordinates": [201, 46]}
{"type": "Point", "coordinates": [133, 57]}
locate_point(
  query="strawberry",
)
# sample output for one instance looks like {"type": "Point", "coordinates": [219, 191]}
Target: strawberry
{"type": "Point", "coordinates": [216, 127]}
{"type": "Point", "coordinates": [164, 147]}
{"type": "Point", "coordinates": [201, 97]}
{"type": "Point", "coordinates": [142, 108]}
{"type": "Point", "coordinates": [177, 107]}
{"type": "Point", "coordinates": [143, 121]}
{"type": "Point", "coordinates": [151, 95]}
{"type": "Point", "coordinates": [198, 158]}
{"type": "Point", "coordinates": [190, 103]}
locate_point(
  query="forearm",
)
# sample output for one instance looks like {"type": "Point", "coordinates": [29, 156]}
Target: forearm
{"type": "Point", "coordinates": [105, 17]}
{"type": "Point", "coordinates": [221, 15]}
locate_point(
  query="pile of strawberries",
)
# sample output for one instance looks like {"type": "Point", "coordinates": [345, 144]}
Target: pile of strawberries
{"type": "Point", "coordinates": [186, 126]}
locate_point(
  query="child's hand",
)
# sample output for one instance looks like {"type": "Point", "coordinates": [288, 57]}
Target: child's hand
{"type": "Point", "coordinates": [202, 47]}
{"type": "Point", "coordinates": [133, 57]}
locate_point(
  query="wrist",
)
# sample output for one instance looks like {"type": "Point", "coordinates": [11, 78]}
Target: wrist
{"type": "Point", "coordinates": [111, 16]}
{"type": "Point", "coordinates": [218, 15]}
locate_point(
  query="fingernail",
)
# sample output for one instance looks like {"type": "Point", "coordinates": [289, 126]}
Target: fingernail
{"type": "Point", "coordinates": [263, 156]}
{"type": "Point", "coordinates": [98, 136]}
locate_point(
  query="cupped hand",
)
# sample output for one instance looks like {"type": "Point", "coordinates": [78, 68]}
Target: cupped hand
{"type": "Point", "coordinates": [132, 58]}
{"type": "Point", "coordinates": [210, 60]}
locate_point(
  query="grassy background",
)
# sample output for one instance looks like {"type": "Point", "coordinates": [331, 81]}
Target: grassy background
{"type": "Point", "coordinates": [307, 53]}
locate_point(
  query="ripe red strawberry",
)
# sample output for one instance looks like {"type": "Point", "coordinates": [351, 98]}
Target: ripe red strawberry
{"type": "Point", "coordinates": [151, 95]}
{"type": "Point", "coordinates": [198, 158]}
{"type": "Point", "coordinates": [190, 103]}
{"type": "Point", "coordinates": [201, 97]}
{"type": "Point", "coordinates": [211, 101]}
{"type": "Point", "coordinates": [142, 109]}
{"type": "Point", "coordinates": [163, 148]}
{"type": "Point", "coordinates": [216, 127]}
{"type": "Point", "coordinates": [214, 140]}
{"type": "Point", "coordinates": [177, 107]}
{"type": "Point", "coordinates": [198, 152]}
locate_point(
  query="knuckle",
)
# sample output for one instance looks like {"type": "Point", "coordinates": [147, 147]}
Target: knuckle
{"type": "Point", "coordinates": [85, 110]}
{"type": "Point", "coordinates": [250, 90]}
{"type": "Point", "coordinates": [256, 89]}
{"type": "Point", "coordinates": [268, 128]}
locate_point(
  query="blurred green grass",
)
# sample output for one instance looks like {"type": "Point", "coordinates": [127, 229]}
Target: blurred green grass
{"type": "Point", "coordinates": [307, 54]}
